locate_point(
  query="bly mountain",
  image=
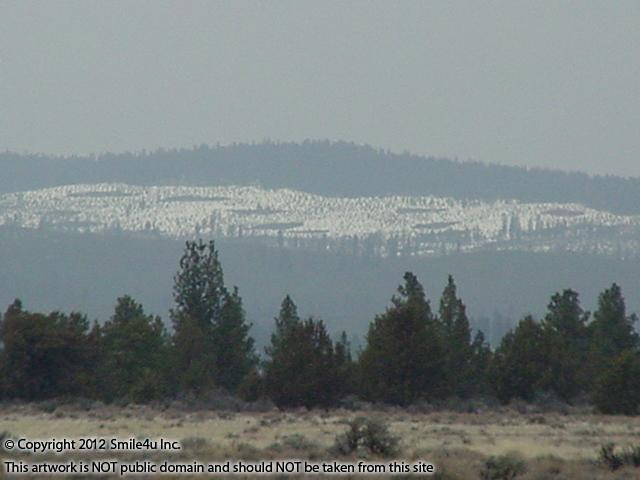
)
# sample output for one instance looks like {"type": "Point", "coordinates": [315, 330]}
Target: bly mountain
{"type": "Point", "coordinates": [333, 224]}
{"type": "Point", "coordinates": [325, 168]}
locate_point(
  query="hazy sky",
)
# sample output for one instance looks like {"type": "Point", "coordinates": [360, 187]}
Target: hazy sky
{"type": "Point", "coordinates": [540, 83]}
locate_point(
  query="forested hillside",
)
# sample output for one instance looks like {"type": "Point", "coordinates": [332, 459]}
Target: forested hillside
{"type": "Point", "coordinates": [341, 169]}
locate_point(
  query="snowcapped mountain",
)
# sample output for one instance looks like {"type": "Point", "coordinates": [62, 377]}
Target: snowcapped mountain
{"type": "Point", "coordinates": [377, 225]}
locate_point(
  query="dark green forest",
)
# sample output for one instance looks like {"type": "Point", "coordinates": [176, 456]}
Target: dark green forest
{"type": "Point", "coordinates": [326, 168]}
{"type": "Point", "coordinates": [413, 351]}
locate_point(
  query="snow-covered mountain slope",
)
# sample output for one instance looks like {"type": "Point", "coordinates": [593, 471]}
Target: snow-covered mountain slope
{"type": "Point", "coordinates": [395, 225]}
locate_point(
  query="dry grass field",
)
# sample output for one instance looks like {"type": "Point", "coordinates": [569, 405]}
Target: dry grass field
{"type": "Point", "coordinates": [551, 445]}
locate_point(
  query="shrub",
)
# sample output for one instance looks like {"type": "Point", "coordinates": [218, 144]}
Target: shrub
{"type": "Point", "coordinates": [194, 443]}
{"type": "Point", "coordinates": [298, 441]}
{"type": "Point", "coordinates": [504, 467]}
{"type": "Point", "coordinates": [251, 389]}
{"type": "Point", "coordinates": [614, 460]}
{"type": "Point", "coordinates": [49, 406]}
{"type": "Point", "coordinates": [367, 434]}
{"type": "Point", "coordinates": [609, 458]}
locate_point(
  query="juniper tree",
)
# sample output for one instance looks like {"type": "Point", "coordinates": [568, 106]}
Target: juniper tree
{"type": "Point", "coordinates": [617, 390]}
{"type": "Point", "coordinates": [519, 363]}
{"type": "Point", "coordinates": [301, 366]}
{"type": "Point", "coordinates": [134, 354]}
{"type": "Point", "coordinates": [45, 355]}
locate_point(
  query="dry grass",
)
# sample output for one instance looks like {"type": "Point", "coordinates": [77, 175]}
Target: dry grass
{"type": "Point", "coordinates": [553, 445]}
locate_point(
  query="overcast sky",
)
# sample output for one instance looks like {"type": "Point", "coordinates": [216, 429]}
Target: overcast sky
{"type": "Point", "coordinates": [539, 83]}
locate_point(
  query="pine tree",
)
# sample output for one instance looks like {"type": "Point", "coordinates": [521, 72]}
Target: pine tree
{"type": "Point", "coordinates": [566, 344]}
{"type": "Point", "coordinates": [285, 323]}
{"type": "Point", "coordinates": [198, 289]}
{"type": "Point", "coordinates": [456, 334]}
{"type": "Point", "coordinates": [287, 318]}
{"type": "Point", "coordinates": [345, 365]}
{"type": "Point", "coordinates": [211, 340]}
{"type": "Point", "coordinates": [281, 358]}
{"type": "Point", "coordinates": [402, 359]}
{"type": "Point", "coordinates": [613, 354]}
{"type": "Point", "coordinates": [481, 356]}
{"type": "Point", "coordinates": [235, 356]}
{"type": "Point", "coordinates": [612, 331]}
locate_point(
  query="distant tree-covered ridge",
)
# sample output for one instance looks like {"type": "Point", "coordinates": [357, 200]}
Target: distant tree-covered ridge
{"type": "Point", "coordinates": [411, 353]}
{"type": "Point", "coordinates": [323, 167]}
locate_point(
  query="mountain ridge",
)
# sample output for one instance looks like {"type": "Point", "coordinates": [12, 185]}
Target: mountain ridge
{"type": "Point", "coordinates": [326, 168]}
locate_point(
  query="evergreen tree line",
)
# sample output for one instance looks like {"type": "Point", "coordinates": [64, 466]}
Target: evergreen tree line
{"type": "Point", "coordinates": [412, 352]}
